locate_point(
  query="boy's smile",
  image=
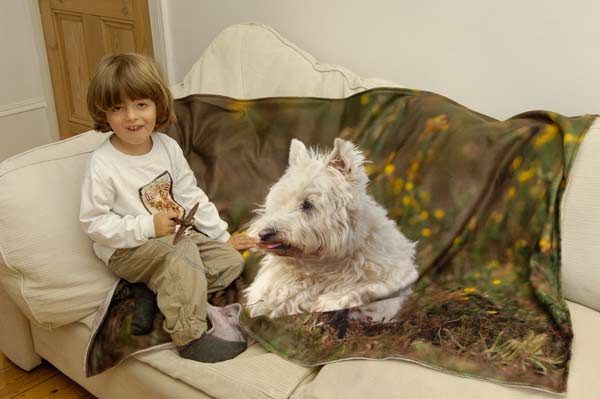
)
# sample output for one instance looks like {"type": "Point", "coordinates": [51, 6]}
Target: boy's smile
{"type": "Point", "coordinates": [133, 122]}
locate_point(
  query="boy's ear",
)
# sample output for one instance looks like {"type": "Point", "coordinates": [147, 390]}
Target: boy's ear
{"type": "Point", "coordinates": [298, 152]}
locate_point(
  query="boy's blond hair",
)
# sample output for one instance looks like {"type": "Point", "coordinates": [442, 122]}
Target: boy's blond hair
{"type": "Point", "coordinates": [128, 75]}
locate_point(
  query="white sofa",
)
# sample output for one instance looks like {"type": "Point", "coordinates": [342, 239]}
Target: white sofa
{"type": "Point", "coordinates": [52, 284]}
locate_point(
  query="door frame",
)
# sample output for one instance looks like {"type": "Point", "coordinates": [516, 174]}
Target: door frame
{"type": "Point", "coordinates": [160, 43]}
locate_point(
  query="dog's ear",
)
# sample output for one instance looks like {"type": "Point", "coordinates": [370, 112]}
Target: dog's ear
{"type": "Point", "coordinates": [298, 152]}
{"type": "Point", "coordinates": [345, 157]}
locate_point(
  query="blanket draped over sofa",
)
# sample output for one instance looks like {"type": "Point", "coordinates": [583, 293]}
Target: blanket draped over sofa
{"type": "Point", "coordinates": [481, 197]}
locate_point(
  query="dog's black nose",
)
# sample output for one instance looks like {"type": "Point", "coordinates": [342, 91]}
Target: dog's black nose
{"type": "Point", "coordinates": [267, 234]}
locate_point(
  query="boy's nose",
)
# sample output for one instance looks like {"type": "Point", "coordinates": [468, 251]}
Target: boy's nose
{"type": "Point", "coordinates": [131, 114]}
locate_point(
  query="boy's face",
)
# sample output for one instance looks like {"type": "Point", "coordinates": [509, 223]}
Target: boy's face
{"type": "Point", "coordinates": [133, 122]}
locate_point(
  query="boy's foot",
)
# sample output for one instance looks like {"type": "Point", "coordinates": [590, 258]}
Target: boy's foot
{"type": "Point", "coordinates": [145, 309]}
{"type": "Point", "coordinates": [211, 349]}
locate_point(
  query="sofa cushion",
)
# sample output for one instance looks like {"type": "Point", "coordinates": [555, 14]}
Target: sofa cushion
{"type": "Point", "coordinates": [581, 224]}
{"type": "Point", "coordinates": [47, 265]}
{"type": "Point", "coordinates": [252, 60]}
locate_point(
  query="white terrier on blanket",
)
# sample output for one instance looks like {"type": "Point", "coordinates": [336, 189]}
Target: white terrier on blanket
{"type": "Point", "coordinates": [329, 244]}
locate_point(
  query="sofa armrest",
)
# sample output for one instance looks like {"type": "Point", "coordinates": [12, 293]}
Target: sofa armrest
{"type": "Point", "coordinates": [16, 341]}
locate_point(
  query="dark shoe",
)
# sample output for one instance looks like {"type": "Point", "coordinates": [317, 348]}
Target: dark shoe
{"type": "Point", "coordinates": [211, 349]}
{"type": "Point", "coordinates": [145, 309]}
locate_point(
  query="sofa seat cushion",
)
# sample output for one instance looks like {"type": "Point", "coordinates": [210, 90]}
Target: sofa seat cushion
{"type": "Point", "coordinates": [254, 374]}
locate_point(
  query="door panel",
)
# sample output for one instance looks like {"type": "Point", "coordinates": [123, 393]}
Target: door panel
{"type": "Point", "coordinates": [118, 36]}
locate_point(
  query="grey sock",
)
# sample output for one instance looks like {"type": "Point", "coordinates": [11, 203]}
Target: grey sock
{"type": "Point", "coordinates": [224, 339]}
{"type": "Point", "coordinates": [211, 349]}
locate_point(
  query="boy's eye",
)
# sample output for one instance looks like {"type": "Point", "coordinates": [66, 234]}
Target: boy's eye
{"type": "Point", "coordinates": [142, 105]}
{"type": "Point", "coordinates": [117, 108]}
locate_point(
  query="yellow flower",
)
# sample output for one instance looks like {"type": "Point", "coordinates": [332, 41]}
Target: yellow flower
{"type": "Point", "coordinates": [491, 311]}
{"type": "Point", "coordinates": [389, 169]}
{"type": "Point", "coordinates": [496, 217]}
{"type": "Point", "coordinates": [246, 254]}
{"type": "Point", "coordinates": [549, 133]}
{"type": "Point", "coordinates": [409, 186]}
{"type": "Point", "coordinates": [424, 215]}
{"type": "Point", "coordinates": [406, 200]}
{"type": "Point", "coordinates": [457, 240]}
{"type": "Point", "coordinates": [545, 244]}
{"type": "Point", "coordinates": [525, 175]}
{"type": "Point", "coordinates": [414, 166]}
{"type": "Point", "coordinates": [511, 192]}
{"type": "Point", "coordinates": [517, 162]}
{"type": "Point", "coordinates": [364, 99]}
{"type": "Point", "coordinates": [391, 156]}
{"type": "Point", "coordinates": [470, 290]}
{"type": "Point", "coordinates": [426, 232]}
{"type": "Point", "coordinates": [240, 106]}
{"type": "Point", "coordinates": [496, 281]}
{"type": "Point", "coordinates": [472, 223]}
{"type": "Point", "coordinates": [397, 188]}
{"type": "Point", "coordinates": [369, 168]}
{"type": "Point", "coordinates": [425, 196]}
{"type": "Point", "coordinates": [439, 213]}
{"type": "Point", "coordinates": [464, 298]}
{"type": "Point", "coordinates": [568, 138]}
{"type": "Point", "coordinates": [376, 109]}
{"type": "Point", "coordinates": [437, 123]}
{"type": "Point", "coordinates": [520, 243]}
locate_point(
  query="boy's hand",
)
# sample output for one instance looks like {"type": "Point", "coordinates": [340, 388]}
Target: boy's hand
{"type": "Point", "coordinates": [242, 241]}
{"type": "Point", "coordinates": [165, 223]}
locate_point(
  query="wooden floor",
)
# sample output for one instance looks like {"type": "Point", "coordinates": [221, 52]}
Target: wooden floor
{"type": "Point", "coordinates": [44, 381]}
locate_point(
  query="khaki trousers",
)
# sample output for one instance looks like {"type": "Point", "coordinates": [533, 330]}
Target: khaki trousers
{"type": "Point", "coordinates": [181, 276]}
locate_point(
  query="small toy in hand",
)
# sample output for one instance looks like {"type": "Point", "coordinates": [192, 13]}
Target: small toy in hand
{"type": "Point", "coordinates": [185, 222]}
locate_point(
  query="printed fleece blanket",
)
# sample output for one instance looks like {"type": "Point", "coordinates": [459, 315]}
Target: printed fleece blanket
{"type": "Point", "coordinates": [481, 197]}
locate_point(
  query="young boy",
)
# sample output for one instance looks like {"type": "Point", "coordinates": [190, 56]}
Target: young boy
{"type": "Point", "coordinates": [136, 186]}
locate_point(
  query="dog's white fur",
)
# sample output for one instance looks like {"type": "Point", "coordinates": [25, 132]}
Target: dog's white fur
{"type": "Point", "coordinates": [332, 245]}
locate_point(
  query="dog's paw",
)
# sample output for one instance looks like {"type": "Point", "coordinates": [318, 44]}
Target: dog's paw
{"type": "Point", "coordinates": [257, 309]}
{"type": "Point", "coordinates": [327, 303]}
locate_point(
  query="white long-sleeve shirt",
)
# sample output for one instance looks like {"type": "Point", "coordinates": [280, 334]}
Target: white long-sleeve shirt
{"type": "Point", "coordinates": [120, 193]}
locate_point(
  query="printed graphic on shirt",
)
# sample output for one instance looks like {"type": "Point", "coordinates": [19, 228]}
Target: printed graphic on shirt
{"type": "Point", "coordinates": [157, 196]}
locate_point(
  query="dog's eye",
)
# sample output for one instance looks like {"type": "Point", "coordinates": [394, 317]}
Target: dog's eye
{"type": "Point", "coordinates": [306, 205]}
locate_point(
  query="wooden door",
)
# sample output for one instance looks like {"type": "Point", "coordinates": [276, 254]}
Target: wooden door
{"type": "Point", "coordinates": [77, 34]}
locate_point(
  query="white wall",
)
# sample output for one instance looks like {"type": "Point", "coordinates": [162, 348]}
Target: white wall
{"type": "Point", "coordinates": [27, 116]}
{"type": "Point", "coordinates": [498, 57]}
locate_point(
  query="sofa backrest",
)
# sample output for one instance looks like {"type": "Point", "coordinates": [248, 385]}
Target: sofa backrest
{"type": "Point", "coordinates": [580, 225]}
{"type": "Point", "coordinates": [47, 265]}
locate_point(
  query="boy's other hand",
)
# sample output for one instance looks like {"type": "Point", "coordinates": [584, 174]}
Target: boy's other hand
{"type": "Point", "coordinates": [165, 223]}
{"type": "Point", "coordinates": [242, 241]}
